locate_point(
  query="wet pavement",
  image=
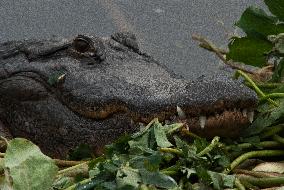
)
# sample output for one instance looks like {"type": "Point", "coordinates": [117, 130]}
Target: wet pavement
{"type": "Point", "coordinates": [163, 27]}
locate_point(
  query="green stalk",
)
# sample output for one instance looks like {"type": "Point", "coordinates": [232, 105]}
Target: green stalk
{"type": "Point", "coordinates": [264, 144]}
{"type": "Point", "coordinates": [266, 85]}
{"type": "Point", "coordinates": [74, 170]}
{"type": "Point", "coordinates": [171, 150]}
{"type": "Point", "coordinates": [278, 139]}
{"type": "Point", "coordinates": [250, 81]}
{"type": "Point", "coordinates": [271, 131]}
{"type": "Point", "coordinates": [254, 86]}
{"type": "Point", "coordinates": [190, 134]}
{"type": "Point", "coordinates": [263, 182]}
{"type": "Point", "coordinates": [239, 185]}
{"type": "Point", "coordinates": [210, 147]}
{"type": "Point", "coordinates": [72, 187]}
{"type": "Point", "coordinates": [252, 154]}
{"type": "Point", "coordinates": [272, 95]}
{"type": "Point", "coordinates": [172, 170]}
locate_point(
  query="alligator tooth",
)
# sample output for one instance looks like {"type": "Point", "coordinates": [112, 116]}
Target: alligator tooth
{"type": "Point", "coordinates": [250, 116]}
{"type": "Point", "coordinates": [141, 126]}
{"type": "Point", "coordinates": [167, 122]}
{"type": "Point", "coordinates": [61, 77]}
{"type": "Point", "coordinates": [187, 127]}
{"type": "Point", "coordinates": [202, 121]}
{"type": "Point", "coordinates": [180, 113]}
{"type": "Point", "coordinates": [245, 111]}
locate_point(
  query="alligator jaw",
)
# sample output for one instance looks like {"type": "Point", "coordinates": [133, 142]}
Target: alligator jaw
{"type": "Point", "coordinates": [228, 122]}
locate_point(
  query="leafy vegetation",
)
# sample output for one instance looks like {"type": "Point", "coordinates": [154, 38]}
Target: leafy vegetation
{"type": "Point", "coordinates": [170, 157]}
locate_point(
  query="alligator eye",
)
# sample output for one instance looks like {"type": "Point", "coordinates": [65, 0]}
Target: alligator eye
{"type": "Point", "coordinates": [82, 43]}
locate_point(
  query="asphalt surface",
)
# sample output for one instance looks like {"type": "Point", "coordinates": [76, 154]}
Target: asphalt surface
{"type": "Point", "coordinates": [163, 27]}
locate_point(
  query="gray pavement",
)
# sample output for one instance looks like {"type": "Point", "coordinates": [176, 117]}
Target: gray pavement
{"type": "Point", "coordinates": [163, 27]}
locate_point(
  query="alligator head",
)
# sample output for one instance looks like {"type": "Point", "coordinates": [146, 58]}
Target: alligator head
{"type": "Point", "coordinates": [63, 92]}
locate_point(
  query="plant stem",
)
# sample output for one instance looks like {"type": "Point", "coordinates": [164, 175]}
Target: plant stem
{"type": "Point", "coordinates": [190, 134]}
{"type": "Point", "coordinates": [260, 153]}
{"type": "Point", "coordinates": [178, 126]}
{"type": "Point", "coordinates": [72, 187]}
{"type": "Point", "coordinates": [239, 185]}
{"type": "Point", "coordinates": [255, 87]}
{"type": "Point", "coordinates": [253, 173]}
{"type": "Point", "coordinates": [67, 163]}
{"type": "Point", "coordinates": [278, 139]}
{"type": "Point", "coordinates": [267, 85]}
{"type": "Point", "coordinates": [268, 132]}
{"type": "Point", "coordinates": [171, 150]}
{"type": "Point", "coordinates": [272, 95]}
{"type": "Point", "coordinates": [264, 144]}
{"type": "Point", "coordinates": [74, 170]}
{"type": "Point", "coordinates": [263, 182]}
{"type": "Point", "coordinates": [208, 45]}
{"type": "Point", "coordinates": [213, 144]}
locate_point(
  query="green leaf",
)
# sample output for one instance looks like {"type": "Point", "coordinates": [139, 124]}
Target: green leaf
{"type": "Point", "coordinates": [278, 42]}
{"type": "Point", "coordinates": [223, 160]}
{"type": "Point", "coordinates": [63, 183]}
{"type": "Point", "coordinates": [217, 180]}
{"type": "Point", "coordinates": [28, 167]}
{"type": "Point", "coordinates": [188, 171]}
{"type": "Point", "coordinates": [188, 151]}
{"type": "Point", "coordinates": [203, 174]}
{"type": "Point", "coordinates": [127, 176]}
{"type": "Point", "coordinates": [222, 180]}
{"type": "Point", "coordinates": [229, 180]}
{"type": "Point", "coordinates": [89, 185]}
{"type": "Point", "coordinates": [276, 7]}
{"type": "Point", "coordinates": [256, 23]}
{"type": "Point", "coordinates": [81, 152]}
{"type": "Point", "coordinates": [250, 51]}
{"type": "Point", "coordinates": [160, 135]}
{"type": "Point", "coordinates": [140, 143]}
{"type": "Point", "coordinates": [254, 140]}
{"type": "Point", "coordinates": [120, 146]}
{"type": "Point", "coordinates": [108, 185]}
{"type": "Point", "coordinates": [278, 74]}
{"type": "Point", "coordinates": [279, 89]}
{"type": "Point", "coordinates": [172, 127]}
{"type": "Point", "coordinates": [265, 119]}
{"type": "Point", "coordinates": [200, 144]}
{"type": "Point", "coordinates": [152, 162]}
{"type": "Point", "coordinates": [157, 179]}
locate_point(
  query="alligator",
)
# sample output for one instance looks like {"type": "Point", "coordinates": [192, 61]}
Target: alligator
{"type": "Point", "coordinates": [62, 92]}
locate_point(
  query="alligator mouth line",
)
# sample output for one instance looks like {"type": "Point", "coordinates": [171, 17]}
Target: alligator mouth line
{"type": "Point", "coordinates": [223, 122]}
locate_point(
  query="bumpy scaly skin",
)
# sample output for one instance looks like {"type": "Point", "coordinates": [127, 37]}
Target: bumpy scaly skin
{"type": "Point", "coordinates": [102, 95]}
